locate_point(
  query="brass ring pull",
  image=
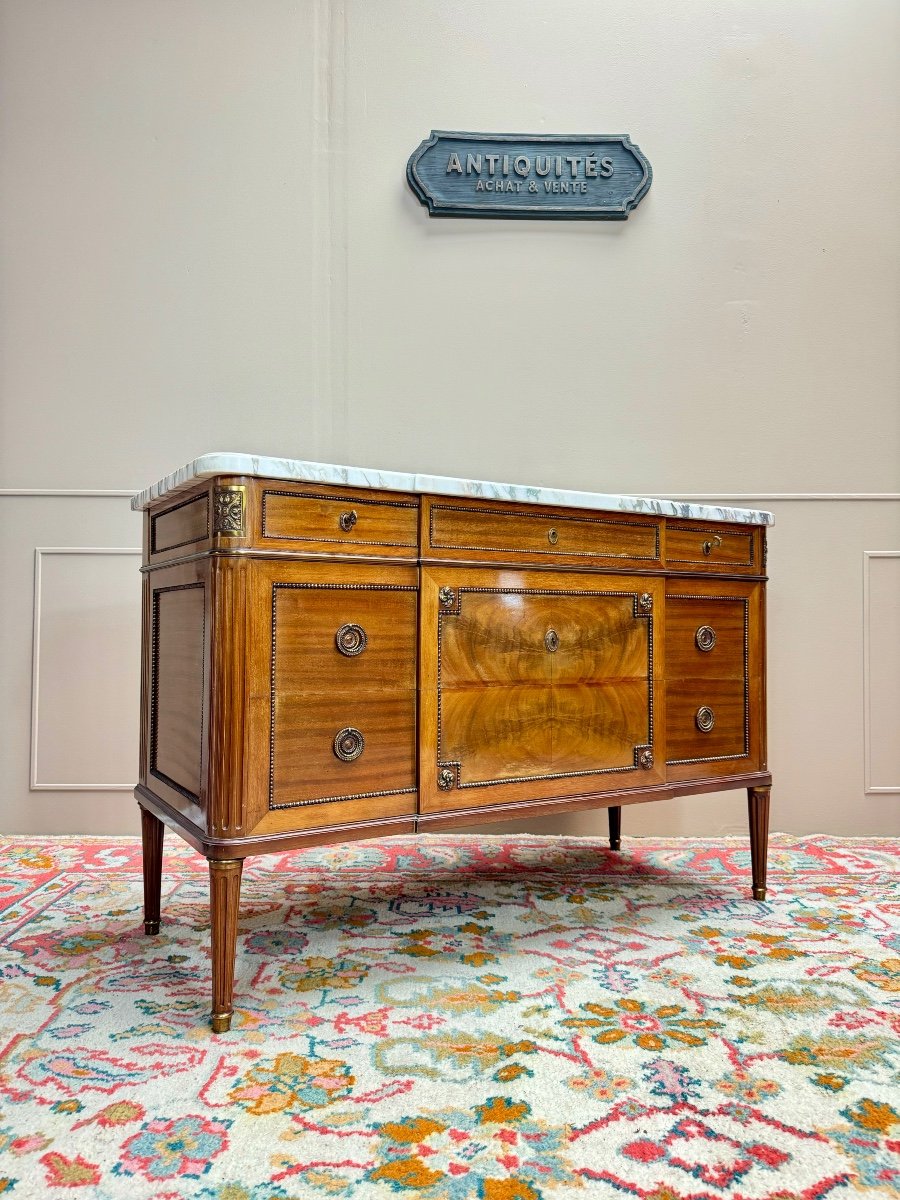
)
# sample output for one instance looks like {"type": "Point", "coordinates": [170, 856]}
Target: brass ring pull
{"type": "Point", "coordinates": [351, 640]}
{"type": "Point", "coordinates": [348, 744]}
{"type": "Point", "coordinates": [705, 719]}
{"type": "Point", "coordinates": [552, 537]}
{"type": "Point", "coordinates": [347, 520]}
{"type": "Point", "coordinates": [705, 637]}
{"type": "Point", "coordinates": [708, 547]}
{"type": "Point", "coordinates": [551, 640]}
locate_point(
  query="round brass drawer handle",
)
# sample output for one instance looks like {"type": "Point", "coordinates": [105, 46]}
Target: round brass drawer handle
{"type": "Point", "coordinates": [347, 520]}
{"type": "Point", "coordinates": [551, 640]}
{"type": "Point", "coordinates": [705, 637]}
{"type": "Point", "coordinates": [704, 719]}
{"type": "Point", "coordinates": [708, 547]}
{"type": "Point", "coordinates": [446, 779]}
{"type": "Point", "coordinates": [646, 759]}
{"type": "Point", "coordinates": [351, 640]}
{"type": "Point", "coordinates": [446, 595]}
{"type": "Point", "coordinates": [552, 537]}
{"type": "Point", "coordinates": [349, 744]}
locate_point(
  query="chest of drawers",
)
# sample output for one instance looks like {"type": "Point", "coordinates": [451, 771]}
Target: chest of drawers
{"type": "Point", "coordinates": [325, 660]}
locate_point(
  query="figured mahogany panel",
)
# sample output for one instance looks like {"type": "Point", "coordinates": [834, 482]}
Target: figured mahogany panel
{"type": "Point", "coordinates": [600, 637]}
{"type": "Point", "coordinates": [711, 547]}
{"type": "Point", "coordinates": [599, 724]}
{"type": "Point", "coordinates": [533, 682]}
{"type": "Point", "coordinates": [176, 685]}
{"type": "Point", "coordinates": [498, 732]}
{"type": "Point", "coordinates": [497, 638]}
{"type": "Point", "coordinates": [491, 531]}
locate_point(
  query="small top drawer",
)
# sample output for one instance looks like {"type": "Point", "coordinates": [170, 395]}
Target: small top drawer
{"type": "Point", "coordinates": [712, 548]}
{"type": "Point", "coordinates": [340, 523]}
{"type": "Point", "coordinates": [462, 532]}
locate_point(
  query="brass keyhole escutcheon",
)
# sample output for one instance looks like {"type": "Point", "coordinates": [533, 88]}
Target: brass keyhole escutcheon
{"type": "Point", "coordinates": [551, 640]}
{"type": "Point", "coordinates": [708, 547]}
{"type": "Point", "coordinates": [705, 719]}
{"type": "Point", "coordinates": [347, 520]}
{"type": "Point", "coordinates": [351, 640]}
{"type": "Point", "coordinates": [552, 537]}
{"type": "Point", "coordinates": [349, 744]}
{"type": "Point", "coordinates": [705, 637]}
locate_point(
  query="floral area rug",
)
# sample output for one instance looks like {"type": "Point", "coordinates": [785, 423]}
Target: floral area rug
{"type": "Point", "coordinates": [451, 1017]}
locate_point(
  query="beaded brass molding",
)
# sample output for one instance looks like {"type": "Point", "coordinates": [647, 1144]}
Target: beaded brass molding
{"type": "Point", "coordinates": [154, 684]}
{"type": "Point", "coordinates": [450, 769]}
{"type": "Point", "coordinates": [333, 587]}
{"type": "Point", "coordinates": [538, 514]}
{"type": "Point", "coordinates": [678, 762]}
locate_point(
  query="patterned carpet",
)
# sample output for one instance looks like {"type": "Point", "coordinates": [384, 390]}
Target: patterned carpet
{"type": "Point", "coordinates": [454, 1018]}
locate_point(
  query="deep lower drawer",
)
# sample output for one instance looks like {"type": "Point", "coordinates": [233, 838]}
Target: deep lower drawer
{"type": "Point", "coordinates": [706, 719]}
{"type": "Point", "coordinates": [328, 746]}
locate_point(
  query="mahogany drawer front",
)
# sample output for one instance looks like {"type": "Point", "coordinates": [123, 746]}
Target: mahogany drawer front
{"type": "Point", "coordinates": [341, 746]}
{"type": "Point", "coordinates": [707, 636]}
{"type": "Point", "coordinates": [333, 638]}
{"type": "Point", "coordinates": [339, 523]}
{"type": "Point", "coordinates": [459, 532]}
{"type": "Point", "coordinates": [707, 719]}
{"type": "Point", "coordinates": [713, 548]}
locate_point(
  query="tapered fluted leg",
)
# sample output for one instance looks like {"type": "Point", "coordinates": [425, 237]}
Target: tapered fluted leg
{"type": "Point", "coordinates": [152, 841]}
{"type": "Point", "coordinates": [615, 828]}
{"type": "Point", "coordinates": [224, 901]}
{"type": "Point", "coordinates": [758, 808]}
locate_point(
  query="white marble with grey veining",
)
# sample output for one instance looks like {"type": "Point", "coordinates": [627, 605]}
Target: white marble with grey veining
{"type": "Point", "coordinates": [435, 485]}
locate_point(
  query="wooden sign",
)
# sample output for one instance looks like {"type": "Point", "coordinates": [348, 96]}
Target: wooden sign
{"type": "Point", "coordinates": [563, 176]}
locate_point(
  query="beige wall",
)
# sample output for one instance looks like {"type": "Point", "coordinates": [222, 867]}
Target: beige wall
{"type": "Point", "coordinates": [207, 242]}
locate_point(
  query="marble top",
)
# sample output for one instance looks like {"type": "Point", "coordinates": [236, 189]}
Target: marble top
{"type": "Point", "coordinates": [435, 485]}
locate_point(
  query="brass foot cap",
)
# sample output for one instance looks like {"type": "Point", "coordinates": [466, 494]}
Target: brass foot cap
{"type": "Point", "coordinates": [221, 1022]}
{"type": "Point", "coordinates": [151, 927]}
{"type": "Point", "coordinates": [615, 844]}
{"type": "Point", "coordinates": [759, 893]}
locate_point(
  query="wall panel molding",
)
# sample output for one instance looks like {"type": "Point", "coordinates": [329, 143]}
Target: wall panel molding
{"type": "Point", "coordinates": [35, 784]}
{"type": "Point", "coordinates": [871, 788]}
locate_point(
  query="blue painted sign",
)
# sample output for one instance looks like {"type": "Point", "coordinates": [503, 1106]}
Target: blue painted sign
{"type": "Point", "coordinates": [568, 176]}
